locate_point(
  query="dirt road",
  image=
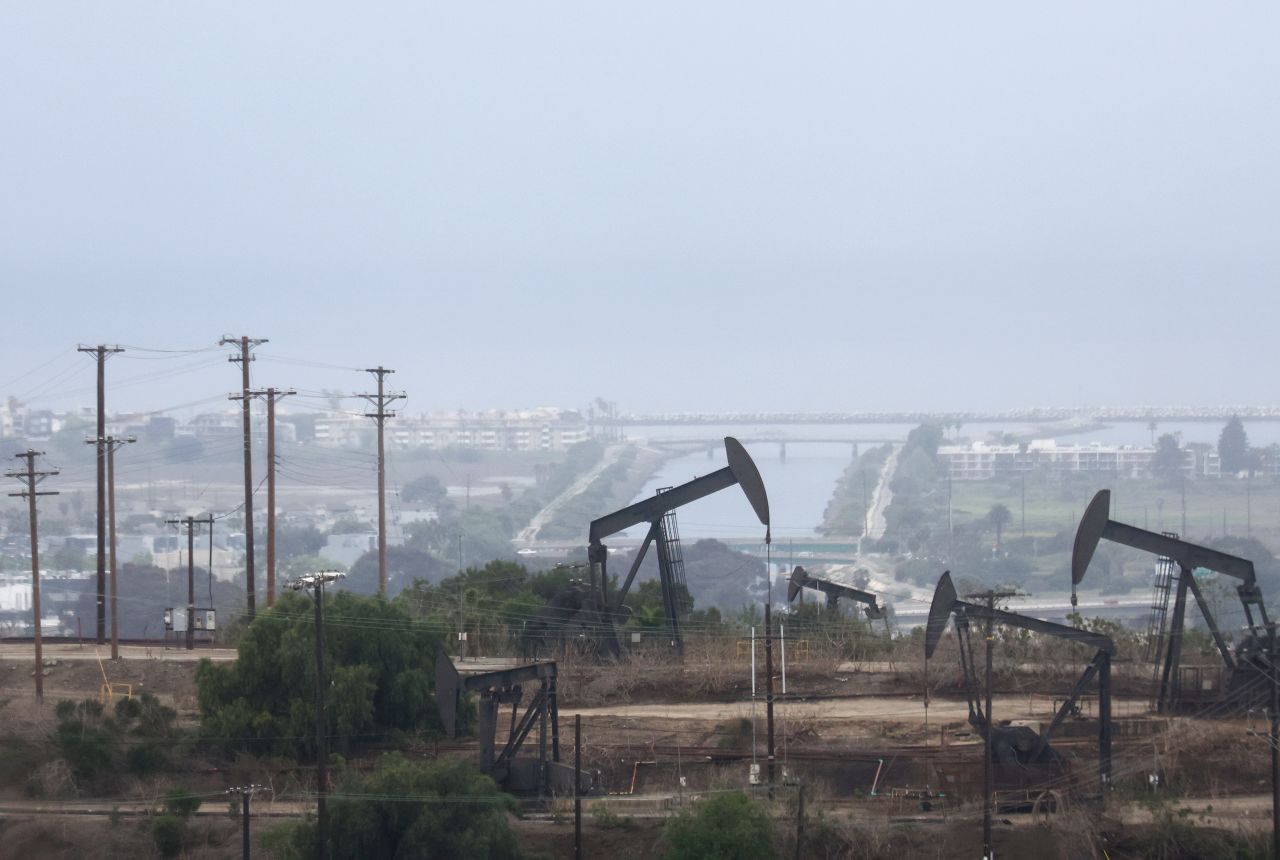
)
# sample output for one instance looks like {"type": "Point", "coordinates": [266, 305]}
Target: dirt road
{"type": "Point", "coordinates": [870, 708]}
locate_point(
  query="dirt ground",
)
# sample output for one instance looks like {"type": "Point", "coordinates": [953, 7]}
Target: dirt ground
{"type": "Point", "coordinates": [645, 726]}
{"type": "Point", "coordinates": [98, 838]}
{"type": "Point", "coordinates": [76, 678]}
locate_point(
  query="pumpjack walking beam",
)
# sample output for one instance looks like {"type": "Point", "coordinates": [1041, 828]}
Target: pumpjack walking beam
{"type": "Point", "coordinates": [1096, 525]}
{"type": "Point", "coordinates": [946, 602]}
{"type": "Point", "coordinates": [834, 591]}
{"type": "Point", "coordinates": [497, 688]}
{"type": "Point", "coordinates": [741, 470]}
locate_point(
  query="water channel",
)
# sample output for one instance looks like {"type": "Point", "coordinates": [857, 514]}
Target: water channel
{"type": "Point", "coordinates": [801, 484]}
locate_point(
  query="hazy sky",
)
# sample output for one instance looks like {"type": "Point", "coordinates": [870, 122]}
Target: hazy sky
{"type": "Point", "coordinates": [679, 206]}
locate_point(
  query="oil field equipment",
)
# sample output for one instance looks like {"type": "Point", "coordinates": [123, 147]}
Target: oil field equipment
{"type": "Point", "coordinates": [538, 774]}
{"type": "Point", "coordinates": [834, 592]}
{"type": "Point", "coordinates": [1248, 668]}
{"type": "Point", "coordinates": [659, 512]}
{"type": "Point", "coordinates": [1022, 757]}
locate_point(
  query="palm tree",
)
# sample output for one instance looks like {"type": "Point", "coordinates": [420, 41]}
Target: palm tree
{"type": "Point", "coordinates": [999, 517]}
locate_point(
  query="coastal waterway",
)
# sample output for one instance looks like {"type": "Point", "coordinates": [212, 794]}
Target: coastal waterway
{"type": "Point", "coordinates": [802, 478]}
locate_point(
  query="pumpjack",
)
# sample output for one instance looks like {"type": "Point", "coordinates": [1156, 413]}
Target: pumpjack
{"type": "Point", "coordinates": [659, 512]}
{"type": "Point", "coordinates": [1023, 757]}
{"type": "Point", "coordinates": [1248, 668]}
{"type": "Point", "coordinates": [540, 774]}
{"type": "Point", "coordinates": [834, 591]}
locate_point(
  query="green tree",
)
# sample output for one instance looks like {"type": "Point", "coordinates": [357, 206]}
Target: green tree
{"type": "Point", "coordinates": [427, 490]}
{"type": "Point", "coordinates": [485, 535]}
{"type": "Point", "coordinates": [404, 565]}
{"type": "Point", "coordinates": [294, 541]}
{"type": "Point", "coordinates": [1233, 447]}
{"type": "Point", "coordinates": [444, 810]}
{"type": "Point", "coordinates": [999, 517]}
{"type": "Point", "coordinates": [1166, 463]}
{"type": "Point", "coordinates": [725, 827]}
{"type": "Point", "coordinates": [377, 663]}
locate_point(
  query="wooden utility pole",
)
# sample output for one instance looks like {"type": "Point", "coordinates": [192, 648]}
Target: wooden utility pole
{"type": "Point", "coordinates": [32, 479]}
{"type": "Point", "coordinates": [990, 598]}
{"type": "Point", "coordinates": [112, 443]}
{"type": "Point", "coordinates": [101, 353]}
{"type": "Point", "coordinates": [768, 685]}
{"type": "Point", "coordinates": [191, 523]}
{"type": "Point", "coordinates": [800, 820]}
{"type": "Point", "coordinates": [380, 401]}
{"type": "Point", "coordinates": [1273, 736]}
{"type": "Point", "coordinates": [577, 787]}
{"type": "Point", "coordinates": [271, 395]}
{"type": "Point", "coordinates": [317, 582]}
{"type": "Point", "coordinates": [246, 344]}
{"type": "Point", "coordinates": [246, 793]}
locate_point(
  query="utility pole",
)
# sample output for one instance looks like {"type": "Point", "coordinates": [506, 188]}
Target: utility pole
{"type": "Point", "coordinates": [577, 787]}
{"type": "Point", "coordinates": [190, 523]}
{"type": "Point", "coordinates": [988, 777]}
{"type": "Point", "coordinates": [1273, 652]}
{"type": "Point", "coordinates": [1024, 505]}
{"type": "Point", "coordinates": [101, 353]}
{"type": "Point", "coordinates": [1184, 505]}
{"type": "Point", "coordinates": [1248, 505]}
{"type": "Point", "coordinates": [951, 532]}
{"type": "Point", "coordinates": [800, 820]}
{"type": "Point", "coordinates": [112, 444]}
{"type": "Point", "coordinates": [316, 582]}
{"type": "Point", "coordinates": [271, 395]}
{"type": "Point", "coordinates": [380, 402]}
{"type": "Point", "coordinates": [245, 792]}
{"type": "Point", "coordinates": [246, 344]}
{"type": "Point", "coordinates": [32, 479]}
{"type": "Point", "coordinates": [987, 774]}
{"type": "Point", "coordinates": [866, 512]}
{"type": "Point", "coordinates": [768, 687]}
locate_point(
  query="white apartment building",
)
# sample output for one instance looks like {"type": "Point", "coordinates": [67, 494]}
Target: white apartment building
{"type": "Point", "coordinates": [542, 429]}
{"type": "Point", "coordinates": [981, 461]}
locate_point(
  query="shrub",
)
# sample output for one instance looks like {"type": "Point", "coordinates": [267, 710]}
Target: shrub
{"type": "Point", "coordinates": [169, 833]}
{"type": "Point", "coordinates": [727, 826]}
{"type": "Point", "coordinates": [375, 660]}
{"type": "Point", "coordinates": [455, 812]}
{"type": "Point", "coordinates": [181, 803]}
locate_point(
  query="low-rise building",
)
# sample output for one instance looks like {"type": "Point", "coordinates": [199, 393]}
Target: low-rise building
{"type": "Point", "coordinates": [982, 461]}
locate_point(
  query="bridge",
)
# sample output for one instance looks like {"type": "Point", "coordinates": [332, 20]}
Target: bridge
{"type": "Point", "coordinates": [1033, 415]}
{"type": "Point", "coordinates": [711, 446]}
